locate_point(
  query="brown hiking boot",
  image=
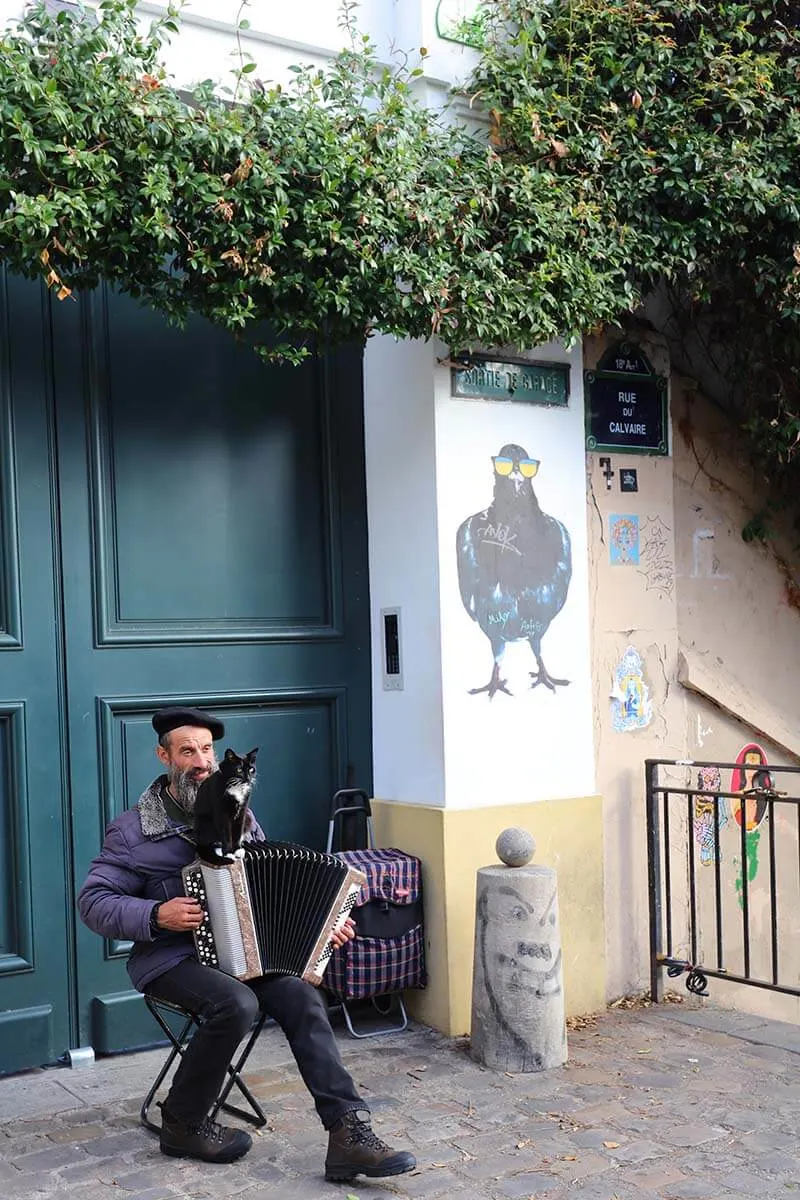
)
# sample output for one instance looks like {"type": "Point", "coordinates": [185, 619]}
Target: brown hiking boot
{"type": "Point", "coordinates": [204, 1139]}
{"type": "Point", "coordinates": [353, 1149]}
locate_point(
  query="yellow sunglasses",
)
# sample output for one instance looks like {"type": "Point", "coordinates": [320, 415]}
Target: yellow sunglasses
{"type": "Point", "coordinates": [527, 467]}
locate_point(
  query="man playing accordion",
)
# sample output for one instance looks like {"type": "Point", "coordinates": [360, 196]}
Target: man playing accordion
{"type": "Point", "coordinates": [134, 891]}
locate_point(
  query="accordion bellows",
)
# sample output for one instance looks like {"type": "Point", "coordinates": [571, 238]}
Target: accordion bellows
{"type": "Point", "coordinates": [273, 910]}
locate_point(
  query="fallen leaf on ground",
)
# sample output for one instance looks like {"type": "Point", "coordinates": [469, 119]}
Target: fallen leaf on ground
{"type": "Point", "coordinates": [611, 1145]}
{"type": "Point", "coordinates": [585, 1021]}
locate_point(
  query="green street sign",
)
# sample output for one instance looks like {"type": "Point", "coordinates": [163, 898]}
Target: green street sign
{"type": "Point", "coordinates": [521, 382]}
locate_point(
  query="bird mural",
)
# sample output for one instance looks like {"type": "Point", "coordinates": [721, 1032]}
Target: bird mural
{"type": "Point", "coordinates": [514, 567]}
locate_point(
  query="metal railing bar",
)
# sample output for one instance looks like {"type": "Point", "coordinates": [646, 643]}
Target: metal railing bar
{"type": "Point", "coordinates": [749, 980]}
{"type": "Point", "coordinates": [718, 886]}
{"type": "Point", "coordinates": [690, 802]}
{"type": "Point", "coordinates": [723, 766]}
{"type": "Point", "coordinates": [745, 889]}
{"type": "Point", "coordinates": [694, 791]}
{"type": "Point", "coordinates": [654, 885]}
{"type": "Point", "coordinates": [773, 890]}
{"type": "Point", "coordinates": [667, 876]}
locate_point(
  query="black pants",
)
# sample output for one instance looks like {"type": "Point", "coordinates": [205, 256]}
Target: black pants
{"type": "Point", "coordinates": [228, 1008]}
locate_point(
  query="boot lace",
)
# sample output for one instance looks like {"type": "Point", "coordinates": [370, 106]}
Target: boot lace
{"type": "Point", "coordinates": [209, 1129]}
{"type": "Point", "coordinates": [362, 1134]}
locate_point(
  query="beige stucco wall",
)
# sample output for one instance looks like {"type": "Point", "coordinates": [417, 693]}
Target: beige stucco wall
{"type": "Point", "coordinates": [738, 629]}
{"type": "Point", "coordinates": [719, 639]}
{"type": "Point", "coordinates": [740, 649]}
{"type": "Point", "coordinates": [636, 606]}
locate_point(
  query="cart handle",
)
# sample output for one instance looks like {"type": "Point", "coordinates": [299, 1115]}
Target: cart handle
{"type": "Point", "coordinates": [363, 808]}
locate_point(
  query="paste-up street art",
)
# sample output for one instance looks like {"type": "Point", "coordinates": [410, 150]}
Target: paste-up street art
{"type": "Point", "coordinates": [709, 785]}
{"type": "Point", "coordinates": [749, 778]}
{"type": "Point", "coordinates": [520, 960]}
{"type": "Point", "coordinates": [514, 567]}
{"type": "Point", "coordinates": [623, 540]}
{"type": "Point", "coordinates": [658, 567]}
{"type": "Point", "coordinates": [631, 707]}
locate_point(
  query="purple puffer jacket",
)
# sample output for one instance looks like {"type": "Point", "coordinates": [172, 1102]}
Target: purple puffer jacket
{"type": "Point", "coordinates": [140, 864]}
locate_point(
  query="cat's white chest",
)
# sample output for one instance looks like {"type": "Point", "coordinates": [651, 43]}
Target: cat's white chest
{"type": "Point", "coordinates": [239, 791]}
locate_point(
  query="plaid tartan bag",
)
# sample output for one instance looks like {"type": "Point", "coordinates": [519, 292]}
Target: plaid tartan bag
{"type": "Point", "coordinates": [388, 952]}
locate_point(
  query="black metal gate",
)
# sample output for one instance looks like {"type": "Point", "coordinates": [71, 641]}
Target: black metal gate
{"type": "Point", "coordinates": [723, 874]}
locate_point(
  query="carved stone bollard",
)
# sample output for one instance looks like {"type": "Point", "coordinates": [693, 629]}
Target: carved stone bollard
{"type": "Point", "coordinates": [517, 987]}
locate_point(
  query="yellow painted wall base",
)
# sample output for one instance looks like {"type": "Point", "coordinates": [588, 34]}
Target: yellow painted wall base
{"type": "Point", "coordinates": [453, 844]}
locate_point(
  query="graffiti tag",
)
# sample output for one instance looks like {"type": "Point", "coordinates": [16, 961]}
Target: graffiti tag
{"type": "Point", "coordinates": [499, 535]}
{"type": "Point", "coordinates": [656, 557]}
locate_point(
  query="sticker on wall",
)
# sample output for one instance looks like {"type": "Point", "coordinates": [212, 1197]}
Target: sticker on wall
{"type": "Point", "coordinates": [630, 697]}
{"type": "Point", "coordinates": [709, 785]}
{"type": "Point", "coordinates": [514, 567]}
{"type": "Point", "coordinates": [749, 779]}
{"type": "Point", "coordinates": [623, 540]}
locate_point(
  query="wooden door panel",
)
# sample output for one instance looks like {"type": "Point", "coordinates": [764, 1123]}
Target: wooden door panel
{"type": "Point", "coordinates": [36, 980]}
{"type": "Point", "coordinates": [208, 561]}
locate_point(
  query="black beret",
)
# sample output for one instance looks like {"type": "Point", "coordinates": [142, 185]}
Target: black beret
{"type": "Point", "coordinates": [167, 719]}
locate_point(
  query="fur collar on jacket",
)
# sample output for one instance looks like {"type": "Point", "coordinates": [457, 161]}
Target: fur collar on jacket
{"type": "Point", "coordinates": [153, 815]}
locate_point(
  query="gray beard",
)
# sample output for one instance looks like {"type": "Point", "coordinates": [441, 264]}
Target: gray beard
{"type": "Point", "coordinates": [184, 786]}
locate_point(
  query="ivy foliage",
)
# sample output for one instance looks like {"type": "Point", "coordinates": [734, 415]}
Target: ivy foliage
{"type": "Point", "coordinates": [327, 210]}
{"type": "Point", "coordinates": [634, 146]}
{"type": "Point", "coordinates": [677, 124]}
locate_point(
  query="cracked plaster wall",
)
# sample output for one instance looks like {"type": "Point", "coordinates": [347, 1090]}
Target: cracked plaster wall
{"type": "Point", "coordinates": [635, 606]}
{"type": "Point", "coordinates": [739, 642]}
{"type": "Point", "coordinates": [719, 639]}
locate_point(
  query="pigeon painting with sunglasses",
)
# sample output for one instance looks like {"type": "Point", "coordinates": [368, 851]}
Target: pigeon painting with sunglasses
{"type": "Point", "coordinates": [514, 567]}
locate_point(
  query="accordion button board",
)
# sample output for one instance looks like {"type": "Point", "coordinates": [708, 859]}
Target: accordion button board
{"type": "Point", "coordinates": [273, 911]}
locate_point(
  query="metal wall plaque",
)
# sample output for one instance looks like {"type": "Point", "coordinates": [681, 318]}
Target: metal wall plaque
{"type": "Point", "coordinates": [626, 403]}
{"type": "Point", "coordinates": [512, 379]}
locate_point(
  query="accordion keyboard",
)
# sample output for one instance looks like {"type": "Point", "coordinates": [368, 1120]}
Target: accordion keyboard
{"type": "Point", "coordinates": [344, 912]}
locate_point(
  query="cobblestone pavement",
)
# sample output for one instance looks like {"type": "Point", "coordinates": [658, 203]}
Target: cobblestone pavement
{"type": "Point", "coordinates": [676, 1103]}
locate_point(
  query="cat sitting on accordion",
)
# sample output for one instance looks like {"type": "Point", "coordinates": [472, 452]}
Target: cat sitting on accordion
{"type": "Point", "coordinates": [244, 931]}
{"type": "Point", "coordinates": [134, 891]}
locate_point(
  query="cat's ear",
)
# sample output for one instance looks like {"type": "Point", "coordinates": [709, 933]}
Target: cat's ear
{"type": "Point", "coordinates": [252, 753]}
{"type": "Point", "coordinates": [229, 755]}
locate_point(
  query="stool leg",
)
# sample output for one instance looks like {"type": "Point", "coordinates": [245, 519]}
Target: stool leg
{"type": "Point", "coordinates": [177, 1042]}
{"type": "Point", "coordinates": [256, 1117]}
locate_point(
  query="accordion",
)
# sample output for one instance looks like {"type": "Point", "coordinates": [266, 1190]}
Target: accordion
{"type": "Point", "coordinates": [271, 911]}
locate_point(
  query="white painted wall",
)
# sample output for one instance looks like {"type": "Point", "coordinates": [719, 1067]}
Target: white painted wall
{"type": "Point", "coordinates": [403, 565]}
{"type": "Point", "coordinates": [535, 744]}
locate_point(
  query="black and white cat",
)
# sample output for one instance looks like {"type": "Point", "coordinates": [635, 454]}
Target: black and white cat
{"type": "Point", "coordinates": [220, 810]}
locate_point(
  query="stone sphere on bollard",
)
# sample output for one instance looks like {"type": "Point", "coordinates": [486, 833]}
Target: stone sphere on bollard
{"type": "Point", "coordinates": [515, 847]}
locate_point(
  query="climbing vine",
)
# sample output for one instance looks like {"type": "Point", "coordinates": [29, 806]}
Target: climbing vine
{"type": "Point", "coordinates": [324, 211]}
{"type": "Point", "coordinates": [677, 123]}
{"type": "Point", "coordinates": [635, 149]}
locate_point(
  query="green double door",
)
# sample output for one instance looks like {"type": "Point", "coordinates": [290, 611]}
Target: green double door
{"type": "Point", "coordinates": [179, 523]}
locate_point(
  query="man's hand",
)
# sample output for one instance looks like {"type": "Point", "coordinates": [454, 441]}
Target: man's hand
{"type": "Point", "coordinates": [180, 914]}
{"type": "Point", "coordinates": [343, 935]}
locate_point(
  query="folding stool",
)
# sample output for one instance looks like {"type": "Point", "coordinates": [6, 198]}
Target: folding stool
{"type": "Point", "coordinates": [178, 1041]}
